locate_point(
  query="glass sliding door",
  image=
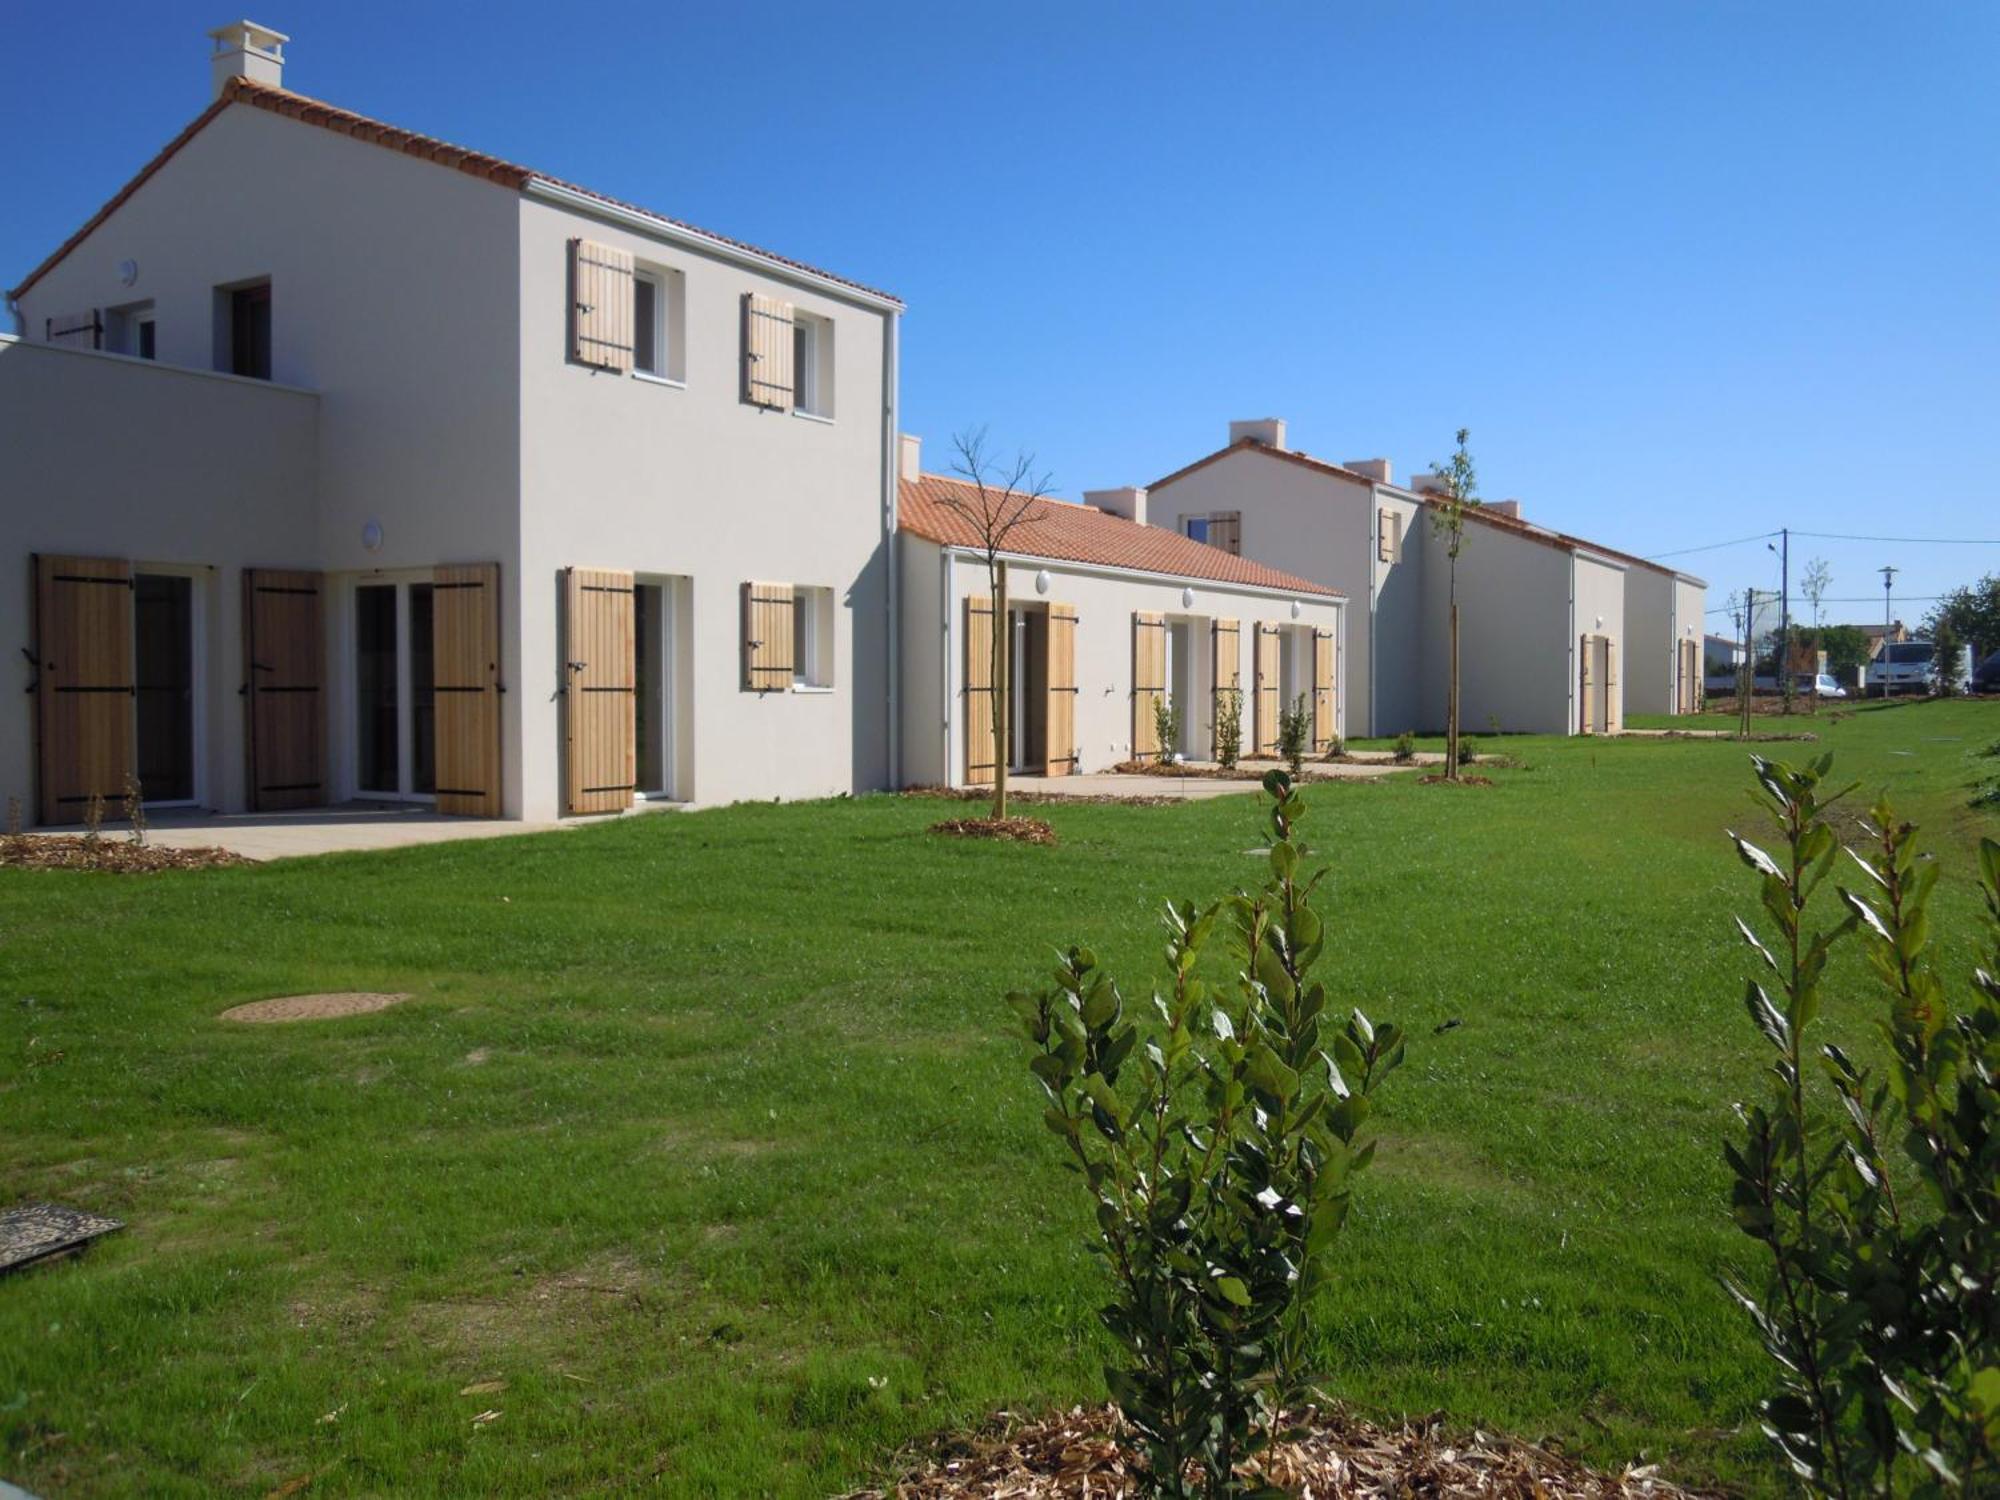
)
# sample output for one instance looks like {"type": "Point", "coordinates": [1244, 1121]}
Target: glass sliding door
{"type": "Point", "coordinates": [395, 710]}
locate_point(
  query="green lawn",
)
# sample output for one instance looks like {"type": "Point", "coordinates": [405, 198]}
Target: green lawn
{"type": "Point", "coordinates": [710, 1135]}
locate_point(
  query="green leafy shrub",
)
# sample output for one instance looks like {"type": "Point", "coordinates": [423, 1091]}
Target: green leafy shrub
{"type": "Point", "coordinates": [1228, 727]}
{"type": "Point", "coordinates": [1336, 747]}
{"type": "Point", "coordinates": [1406, 747]}
{"type": "Point", "coordinates": [1467, 752]}
{"type": "Point", "coordinates": [1166, 725]}
{"type": "Point", "coordinates": [1881, 1217]}
{"type": "Point", "coordinates": [1295, 728]}
{"type": "Point", "coordinates": [1220, 1148]}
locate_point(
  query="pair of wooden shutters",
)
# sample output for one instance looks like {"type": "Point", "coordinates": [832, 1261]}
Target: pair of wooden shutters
{"type": "Point", "coordinates": [1060, 756]}
{"type": "Point", "coordinates": [1227, 639]}
{"type": "Point", "coordinates": [600, 690]}
{"type": "Point", "coordinates": [1689, 685]}
{"type": "Point", "coordinates": [1388, 535]}
{"type": "Point", "coordinates": [1149, 683]}
{"type": "Point", "coordinates": [1267, 680]}
{"type": "Point", "coordinates": [1600, 707]}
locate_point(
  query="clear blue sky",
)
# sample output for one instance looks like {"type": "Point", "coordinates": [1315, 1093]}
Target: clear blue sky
{"type": "Point", "coordinates": [1688, 271]}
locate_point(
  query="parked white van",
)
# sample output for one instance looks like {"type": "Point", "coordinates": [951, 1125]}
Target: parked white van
{"type": "Point", "coordinates": [1904, 667]}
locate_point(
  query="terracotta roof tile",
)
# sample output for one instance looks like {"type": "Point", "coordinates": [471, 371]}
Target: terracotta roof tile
{"type": "Point", "coordinates": [406, 142]}
{"type": "Point", "coordinates": [1063, 532]}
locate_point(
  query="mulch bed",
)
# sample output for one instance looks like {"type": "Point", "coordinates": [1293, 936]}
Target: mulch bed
{"type": "Point", "coordinates": [1460, 780]}
{"type": "Point", "coordinates": [1035, 799]}
{"type": "Point", "coordinates": [34, 851]}
{"type": "Point", "coordinates": [1073, 1456]}
{"type": "Point", "coordinates": [1013, 830]}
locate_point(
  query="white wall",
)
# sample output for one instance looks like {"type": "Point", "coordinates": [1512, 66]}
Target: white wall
{"type": "Point", "coordinates": [934, 744]}
{"type": "Point", "coordinates": [1599, 591]}
{"type": "Point", "coordinates": [1513, 628]}
{"type": "Point", "coordinates": [394, 294]}
{"type": "Point", "coordinates": [1649, 641]}
{"type": "Point", "coordinates": [112, 457]}
{"type": "Point", "coordinates": [1322, 527]}
{"type": "Point", "coordinates": [621, 472]}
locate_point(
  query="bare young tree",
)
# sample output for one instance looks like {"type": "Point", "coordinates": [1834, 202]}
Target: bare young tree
{"type": "Point", "coordinates": [1001, 501]}
{"type": "Point", "coordinates": [1817, 577]}
{"type": "Point", "coordinates": [1457, 492]}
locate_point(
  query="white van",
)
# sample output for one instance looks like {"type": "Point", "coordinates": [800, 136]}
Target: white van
{"type": "Point", "coordinates": [1904, 667]}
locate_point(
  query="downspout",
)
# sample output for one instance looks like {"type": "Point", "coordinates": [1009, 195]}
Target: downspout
{"type": "Point", "coordinates": [1574, 710]}
{"type": "Point", "coordinates": [946, 613]}
{"type": "Point", "coordinates": [892, 541]}
{"type": "Point", "coordinates": [1374, 591]}
{"type": "Point", "coordinates": [20, 318]}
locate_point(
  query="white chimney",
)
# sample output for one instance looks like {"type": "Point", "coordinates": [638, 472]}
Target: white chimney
{"type": "Point", "coordinates": [1376, 469]}
{"type": "Point", "coordinates": [1270, 431]}
{"type": "Point", "coordinates": [909, 456]}
{"type": "Point", "coordinates": [1511, 509]}
{"type": "Point", "coordinates": [1128, 501]}
{"type": "Point", "coordinates": [243, 49]}
{"type": "Point", "coordinates": [1429, 484]}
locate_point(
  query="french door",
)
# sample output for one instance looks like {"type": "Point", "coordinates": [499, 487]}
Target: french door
{"type": "Point", "coordinates": [395, 700]}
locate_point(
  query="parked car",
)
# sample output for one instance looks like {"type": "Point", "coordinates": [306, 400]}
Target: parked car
{"type": "Point", "coordinates": [1904, 667]}
{"type": "Point", "coordinates": [1986, 676]}
{"type": "Point", "coordinates": [1822, 684]}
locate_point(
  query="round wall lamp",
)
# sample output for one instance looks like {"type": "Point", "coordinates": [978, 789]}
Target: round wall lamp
{"type": "Point", "coordinates": [1187, 598]}
{"type": "Point", "coordinates": [1297, 609]}
{"type": "Point", "coordinates": [128, 272]}
{"type": "Point", "coordinates": [1042, 581]}
{"type": "Point", "coordinates": [1600, 622]}
{"type": "Point", "coordinates": [371, 536]}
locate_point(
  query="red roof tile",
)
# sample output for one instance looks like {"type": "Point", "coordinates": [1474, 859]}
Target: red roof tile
{"type": "Point", "coordinates": [1063, 532]}
{"type": "Point", "coordinates": [409, 143]}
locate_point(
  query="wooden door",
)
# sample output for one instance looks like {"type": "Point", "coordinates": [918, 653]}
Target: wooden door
{"type": "Point", "coordinates": [600, 690]}
{"type": "Point", "coordinates": [465, 646]}
{"type": "Point", "coordinates": [1061, 675]}
{"type": "Point", "coordinates": [1149, 682]}
{"type": "Point", "coordinates": [1267, 688]}
{"type": "Point", "coordinates": [83, 683]}
{"type": "Point", "coordinates": [978, 690]}
{"type": "Point", "coordinates": [1322, 690]}
{"type": "Point", "coordinates": [1226, 639]}
{"type": "Point", "coordinates": [284, 666]}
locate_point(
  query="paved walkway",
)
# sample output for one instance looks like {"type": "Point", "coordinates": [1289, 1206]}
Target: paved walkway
{"type": "Point", "coordinates": [327, 830]}
{"type": "Point", "coordinates": [1197, 788]}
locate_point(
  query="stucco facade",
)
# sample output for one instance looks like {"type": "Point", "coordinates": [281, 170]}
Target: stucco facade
{"type": "Point", "coordinates": [423, 312]}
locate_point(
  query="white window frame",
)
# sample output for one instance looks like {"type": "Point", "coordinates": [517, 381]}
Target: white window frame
{"type": "Point", "coordinates": [199, 579]}
{"type": "Point", "coordinates": [401, 580]}
{"type": "Point", "coordinates": [812, 638]}
{"type": "Point", "coordinates": [669, 326]}
{"type": "Point", "coordinates": [812, 366]}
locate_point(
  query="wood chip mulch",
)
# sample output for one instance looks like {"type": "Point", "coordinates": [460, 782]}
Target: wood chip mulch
{"type": "Point", "coordinates": [1073, 1457]}
{"type": "Point", "coordinates": [1014, 830]}
{"type": "Point", "coordinates": [1460, 780]}
{"type": "Point", "coordinates": [1037, 799]}
{"type": "Point", "coordinates": [33, 851]}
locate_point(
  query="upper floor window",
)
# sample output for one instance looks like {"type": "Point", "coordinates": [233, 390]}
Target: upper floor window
{"type": "Point", "coordinates": [812, 637]}
{"type": "Point", "coordinates": [812, 364]}
{"type": "Point", "coordinates": [130, 330]}
{"type": "Point", "coordinates": [243, 329]}
{"type": "Point", "coordinates": [659, 312]}
{"type": "Point", "coordinates": [1221, 529]}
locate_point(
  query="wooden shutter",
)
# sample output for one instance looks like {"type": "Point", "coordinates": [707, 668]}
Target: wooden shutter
{"type": "Point", "coordinates": [1226, 638]}
{"type": "Point", "coordinates": [83, 683]}
{"type": "Point", "coordinates": [1322, 690]}
{"type": "Point", "coordinates": [600, 690]}
{"type": "Point", "coordinates": [1385, 545]}
{"type": "Point", "coordinates": [767, 352]}
{"type": "Point", "coordinates": [1614, 699]}
{"type": "Point", "coordinates": [84, 330]}
{"type": "Point", "coordinates": [1061, 676]}
{"type": "Point", "coordinates": [1149, 681]}
{"type": "Point", "coordinates": [1266, 688]}
{"type": "Point", "coordinates": [767, 637]}
{"type": "Point", "coordinates": [600, 305]}
{"type": "Point", "coordinates": [1585, 676]}
{"type": "Point", "coordinates": [465, 671]}
{"type": "Point", "coordinates": [978, 689]}
{"type": "Point", "coordinates": [1225, 530]}
{"type": "Point", "coordinates": [284, 667]}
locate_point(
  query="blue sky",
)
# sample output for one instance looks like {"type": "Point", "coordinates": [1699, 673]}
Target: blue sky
{"type": "Point", "coordinates": [1688, 271]}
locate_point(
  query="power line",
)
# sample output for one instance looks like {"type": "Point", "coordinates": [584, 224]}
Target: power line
{"type": "Point", "coordinates": [1717, 546]}
{"type": "Point", "coordinates": [1723, 609]}
{"type": "Point", "coordinates": [1913, 541]}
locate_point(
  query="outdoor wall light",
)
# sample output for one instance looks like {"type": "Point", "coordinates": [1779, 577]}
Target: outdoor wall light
{"type": "Point", "coordinates": [1042, 581]}
{"type": "Point", "coordinates": [128, 272]}
{"type": "Point", "coordinates": [1299, 609]}
{"type": "Point", "coordinates": [1600, 622]}
{"type": "Point", "coordinates": [371, 536]}
{"type": "Point", "coordinates": [1187, 598]}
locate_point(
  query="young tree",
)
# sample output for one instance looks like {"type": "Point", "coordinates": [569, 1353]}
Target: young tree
{"type": "Point", "coordinates": [1458, 486]}
{"type": "Point", "coordinates": [1002, 502]}
{"type": "Point", "coordinates": [1814, 582]}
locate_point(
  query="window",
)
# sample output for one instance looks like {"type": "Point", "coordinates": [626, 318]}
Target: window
{"type": "Point", "coordinates": [812, 637]}
{"type": "Point", "coordinates": [146, 346]}
{"type": "Point", "coordinates": [658, 313]}
{"type": "Point", "coordinates": [1389, 535]}
{"type": "Point", "coordinates": [243, 329]}
{"type": "Point", "coordinates": [129, 330]}
{"type": "Point", "coordinates": [1223, 529]}
{"type": "Point", "coordinates": [812, 365]}
{"type": "Point", "coordinates": [1196, 527]}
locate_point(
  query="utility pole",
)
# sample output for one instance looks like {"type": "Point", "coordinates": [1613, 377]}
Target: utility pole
{"type": "Point", "coordinates": [1746, 666]}
{"type": "Point", "coordinates": [1888, 622]}
{"type": "Point", "coordinates": [1785, 617]}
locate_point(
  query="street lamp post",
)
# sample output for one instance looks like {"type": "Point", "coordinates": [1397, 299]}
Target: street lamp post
{"type": "Point", "coordinates": [1888, 622]}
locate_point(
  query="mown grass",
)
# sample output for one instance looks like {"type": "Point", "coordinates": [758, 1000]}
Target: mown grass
{"type": "Point", "coordinates": [709, 1135]}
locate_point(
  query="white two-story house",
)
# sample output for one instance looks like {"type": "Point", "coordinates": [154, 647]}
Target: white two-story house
{"type": "Point", "coordinates": [345, 462]}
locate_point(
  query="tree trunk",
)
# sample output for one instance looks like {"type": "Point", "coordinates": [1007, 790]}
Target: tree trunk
{"type": "Point", "coordinates": [1003, 699]}
{"type": "Point", "coordinates": [1451, 698]}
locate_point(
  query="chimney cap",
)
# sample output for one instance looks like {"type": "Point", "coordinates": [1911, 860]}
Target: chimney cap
{"type": "Point", "coordinates": [243, 49]}
{"type": "Point", "coordinates": [248, 33]}
{"type": "Point", "coordinates": [1270, 431]}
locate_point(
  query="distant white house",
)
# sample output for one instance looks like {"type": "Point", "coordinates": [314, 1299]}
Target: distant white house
{"type": "Point", "coordinates": [1556, 636]}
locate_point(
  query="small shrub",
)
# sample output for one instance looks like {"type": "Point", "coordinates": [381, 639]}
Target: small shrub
{"type": "Point", "coordinates": [1335, 747]}
{"type": "Point", "coordinates": [1220, 1152]}
{"type": "Point", "coordinates": [1881, 1216]}
{"type": "Point", "coordinates": [1467, 752]}
{"type": "Point", "coordinates": [1295, 727]}
{"type": "Point", "coordinates": [1166, 725]}
{"type": "Point", "coordinates": [1228, 727]}
{"type": "Point", "coordinates": [93, 820]}
{"type": "Point", "coordinates": [135, 810]}
{"type": "Point", "coordinates": [1406, 747]}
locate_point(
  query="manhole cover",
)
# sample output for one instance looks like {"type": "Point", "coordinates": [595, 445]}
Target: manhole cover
{"type": "Point", "coordinates": [36, 1231]}
{"type": "Point", "coordinates": [312, 1007]}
